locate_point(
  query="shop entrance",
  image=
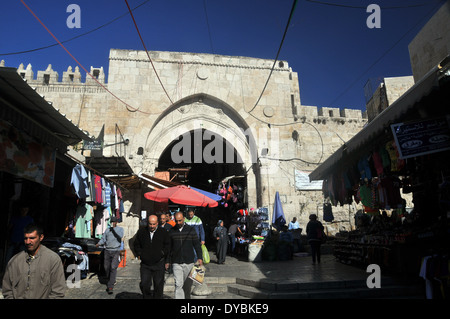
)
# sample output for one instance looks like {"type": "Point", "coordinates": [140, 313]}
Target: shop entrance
{"type": "Point", "coordinates": [212, 164]}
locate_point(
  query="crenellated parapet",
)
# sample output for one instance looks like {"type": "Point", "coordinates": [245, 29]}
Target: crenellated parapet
{"type": "Point", "coordinates": [70, 76]}
{"type": "Point", "coordinates": [324, 115]}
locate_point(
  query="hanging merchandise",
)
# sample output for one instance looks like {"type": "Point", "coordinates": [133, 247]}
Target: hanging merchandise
{"type": "Point", "coordinates": [83, 217]}
{"type": "Point", "coordinates": [327, 213]}
{"type": "Point", "coordinates": [79, 181]}
{"type": "Point", "coordinates": [98, 189]}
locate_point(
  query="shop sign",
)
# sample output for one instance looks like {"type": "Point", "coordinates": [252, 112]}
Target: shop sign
{"type": "Point", "coordinates": [94, 145]}
{"type": "Point", "coordinates": [22, 156]}
{"type": "Point", "coordinates": [422, 137]}
{"type": "Point", "coordinates": [303, 183]}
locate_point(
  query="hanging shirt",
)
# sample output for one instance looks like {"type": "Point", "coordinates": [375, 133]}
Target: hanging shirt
{"type": "Point", "coordinates": [98, 189]}
{"type": "Point", "coordinates": [79, 181]}
{"type": "Point", "coordinates": [83, 219]}
{"type": "Point", "coordinates": [107, 194]}
{"type": "Point", "coordinates": [103, 222]}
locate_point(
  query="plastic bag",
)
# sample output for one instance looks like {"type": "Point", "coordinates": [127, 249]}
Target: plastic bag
{"type": "Point", "coordinates": [197, 274]}
{"type": "Point", "coordinates": [205, 255]}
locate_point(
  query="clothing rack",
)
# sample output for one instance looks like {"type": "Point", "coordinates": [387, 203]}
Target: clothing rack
{"type": "Point", "coordinates": [96, 172]}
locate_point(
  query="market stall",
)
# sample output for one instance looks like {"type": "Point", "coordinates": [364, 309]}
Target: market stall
{"type": "Point", "coordinates": [404, 150]}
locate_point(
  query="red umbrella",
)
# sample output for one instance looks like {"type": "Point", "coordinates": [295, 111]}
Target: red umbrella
{"type": "Point", "coordinates": [181, 194]}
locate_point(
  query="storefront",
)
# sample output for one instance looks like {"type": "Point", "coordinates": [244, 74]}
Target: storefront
{"type": "Point", "coordinates": [34, 167]}
{"type": "Point", "coordinates": [405, 149]}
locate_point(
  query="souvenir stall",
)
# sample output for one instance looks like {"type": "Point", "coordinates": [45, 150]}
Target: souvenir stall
{"type": "Point", "coordinates": [404, 150]}
{"type": "Point", "coordinates": [254, 227]}
{"type": "Point", "coordinates": [98, 199]}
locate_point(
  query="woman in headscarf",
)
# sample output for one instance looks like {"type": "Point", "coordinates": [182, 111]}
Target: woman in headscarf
{"type": "Point", "coordinates": [221, 234]}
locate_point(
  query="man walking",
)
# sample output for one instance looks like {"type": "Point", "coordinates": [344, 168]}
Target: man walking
{"type": "Point", "coordinates": [183, 243]}
{"type": "Point", "coordinates": [152, 245]}
{"type": "Point", "coordinates": [163, 222]}
{"type": "Point", "coordinates": [35, 273]}
{"type": "Point", "coordinates": [112, 239]}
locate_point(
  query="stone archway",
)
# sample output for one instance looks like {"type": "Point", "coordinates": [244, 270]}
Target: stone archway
{"type": "Point", "coordinates": [203, 112]}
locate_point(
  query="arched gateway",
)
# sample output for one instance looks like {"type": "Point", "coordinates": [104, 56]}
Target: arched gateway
{"type": "Point", "coordinates": [201, 129]}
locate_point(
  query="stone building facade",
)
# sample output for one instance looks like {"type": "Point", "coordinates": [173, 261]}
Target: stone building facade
{"type": "Point", "coordinates": [272, 135]}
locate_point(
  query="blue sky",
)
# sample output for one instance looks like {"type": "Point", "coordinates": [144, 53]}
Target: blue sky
{"type": "Point", "coordinates": [330, 47]}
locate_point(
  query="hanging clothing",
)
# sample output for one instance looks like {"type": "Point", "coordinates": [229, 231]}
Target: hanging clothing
{"type": "Point", "coordinates": [79, 181]}
{"type": "Point", "coordinates": [327, 213]}
{"type": "Point", "coordinates": [83, 217]}
{"type": "Point", "coordinates": [98, 189]}
{"type": "Point", "coordinates": [102, 221]}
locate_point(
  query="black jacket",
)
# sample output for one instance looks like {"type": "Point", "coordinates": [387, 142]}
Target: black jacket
{"type": "Point", "coordinates": [183, 244]}
{"type": "Point", "coordinates": [153, 250]}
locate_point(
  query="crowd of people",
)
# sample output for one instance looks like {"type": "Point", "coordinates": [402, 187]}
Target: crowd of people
{"type": "Point", "coordinates": [163, 245]}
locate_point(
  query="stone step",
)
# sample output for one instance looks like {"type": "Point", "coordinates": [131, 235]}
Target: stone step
{"type": "Point", "coordinates": [213, 285]}
{"type": "Point", "coordinates": [389, 292]}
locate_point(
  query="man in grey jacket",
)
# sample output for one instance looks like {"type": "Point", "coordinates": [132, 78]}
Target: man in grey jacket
{"type": "Point", "coordinates": [112, 240]}
{"type": "Point", "coordinates": [35, 273]}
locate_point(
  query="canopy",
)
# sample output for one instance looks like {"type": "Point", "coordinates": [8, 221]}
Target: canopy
{"type": "Point", "coordinates": [208, 194]}
{"type": "Point", "coordinates": [278, 219]}
{"type": "Point", "coordinates": [183, 195]}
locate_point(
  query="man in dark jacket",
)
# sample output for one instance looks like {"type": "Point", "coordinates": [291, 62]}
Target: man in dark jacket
{"type": "Point", "coordinates": [152, 245]}
{"type": "Point", "coordinates": [183, 241]}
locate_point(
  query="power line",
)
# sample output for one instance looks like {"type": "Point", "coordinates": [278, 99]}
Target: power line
{"type": "Point", "coordinates": [209, 28]}
{"type": "Point", "coordinates": [332, 4]}
{"type": "Point", "coordinates": [278, 53]}
{"type": "Point", "coordinates": [148, 54]}
{"type": "Point", "coordinates": [129, 107]}
{"type": "Point", "coordinates": [384, 54]}
{"type": "Point", "coordinates": [75, 37]}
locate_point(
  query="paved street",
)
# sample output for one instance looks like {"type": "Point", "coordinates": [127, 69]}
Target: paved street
{"type": "Point", "coordinates": [219, 277]}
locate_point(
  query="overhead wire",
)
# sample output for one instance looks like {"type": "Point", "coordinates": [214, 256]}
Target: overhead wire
{"type": "Point", "coordinates": [78, 36]}
{"type": "Point", "coordinates": [128, 107]}
{"type": "Point", "coordinates": [148, 54]}
{"type": "Point", "coordinates": [278, 53]}
{"type": "Point", "coordinates": [384, 54]}
{"type": "Point", "coordinates": [209, 28]}
{"type": "Point", "coordinates": [362, 7]}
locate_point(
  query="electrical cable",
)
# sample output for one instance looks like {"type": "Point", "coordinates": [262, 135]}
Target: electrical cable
{"type": "Point", "coordinates": [148, 54]}
{"type": "Point", "coordinates": [383, 55]}
{"type": "Point", "coordinates": [129, 107]}
{"type": "Point", "coordinates": [278, 53]}
{"type": "Point", "coordinates": [76, 37]}
{"type": "Point", "coordinates": [362, 7]}
{"type": "Point", "coordinates": [207, 24]}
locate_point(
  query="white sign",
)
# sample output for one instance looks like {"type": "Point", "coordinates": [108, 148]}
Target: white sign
{"type": "Point", "coordinates": [303, 183]}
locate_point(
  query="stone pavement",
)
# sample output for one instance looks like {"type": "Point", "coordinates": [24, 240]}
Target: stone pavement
{"type": "Point", "coordinates": [239, 279]}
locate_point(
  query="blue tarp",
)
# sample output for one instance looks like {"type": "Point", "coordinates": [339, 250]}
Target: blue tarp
{"type": "Point", "coordinates": [208, 194]}
{"type": "Point", "coordinates": [278, 219]}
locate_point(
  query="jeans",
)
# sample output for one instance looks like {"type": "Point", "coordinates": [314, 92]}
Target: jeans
{"type": "Point", "coordinates": [183, 284]}
{"type": "Point", "coordinates": [111, 263]}
{"type": "Point", "coordinates": [153, 273]}
{"type": "Point", "coordinates": [232, 243]}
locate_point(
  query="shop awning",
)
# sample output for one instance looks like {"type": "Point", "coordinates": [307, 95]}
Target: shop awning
{"type": "Point", "coordinates": [413, 104]}
{"type": "Point", "coordinates": [114, 165]}
{"type": "Point", "coordinates": [157, 183]}
{"type": "Point", "coordinates": [27, 110]}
